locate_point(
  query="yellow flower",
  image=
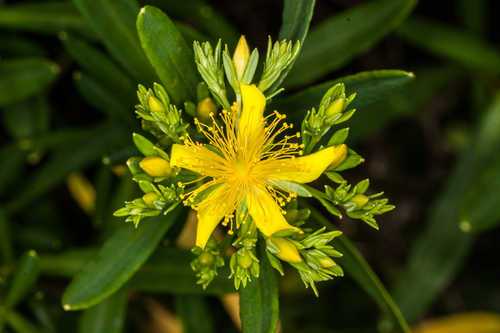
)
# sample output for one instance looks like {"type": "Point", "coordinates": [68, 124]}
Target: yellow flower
{"type": "Point", "coordinates": [246, 158]}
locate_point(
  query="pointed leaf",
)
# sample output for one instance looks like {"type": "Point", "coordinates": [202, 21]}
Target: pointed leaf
{"type": "Point", "coordinates": [337, 40]}
{"type": "Point", "coordinates": [22, 78]}
{"type": "Point", "coordinates": [259, 300]}
{"type": "Point", "coordinates": [24, 278]}
{"type": "Point", "coordinates": [451, 43]}
{"type": "Point", "coordinates": [114, 22]}
{"type": "Point", "coordinates": [107, 316]}
{"type": "Point", "coordinates": [168, 52]}
{"type": "Point", "coordinates": [119, 258]}
{"type": "Point", "coordinates": [48, 17]}
{"type": "Point", "coordinates": [356, 266]}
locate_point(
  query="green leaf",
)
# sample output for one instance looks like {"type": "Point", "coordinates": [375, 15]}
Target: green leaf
{"type": "Point", "coordinates": [78, 155]}
{"type": "Point", "coordinates": [259, 300]}
{"type": "Point", "coordinates": [28, 118]}
{"type": "Point", "coordinates": [14, 45]}
{"type": "Point", "coordinates": [480, 211]}
{"type": "Point", "coordinates": [19, 324]}
{"type": "Point", "coordinates": [404, 101]}
{"type": "Point", "coordinates": [166, 271]}
{"type": "Point", "coordinates": [22, 78]}
{"type": "Point", "coordinates": [48, 18]}
{"type": "Point", "coordinates": [296, 17]}
{"type": "Point", "coordinates": [202, 15]}
{"type": "Point", "coordinates": [195, 314]}
{"type": "Point", "coordinates": [24, 278]}
{"type": "Point", "coordinates": [114, 22]}
{"type": "Point", "coordinates": [107, 316]}
{"type": "Point", "coordinates": [6, 250]}
{"type": "Point", "coordinates": [459, 46]}
{"type": "Point", "coordinates": [337, 40]}
{"type": "Point", "coordinates": [118, 259]}
{"type": "Point", "coordinates": [370, 87]}
{"type": "Point", "coordinates": [11, 168]}
{"type": "Point", "coordinates": [439, 252]}
{"type": "Point", "coordinates": [101, 98]}
{"type": "Point", "coordinates": [356, 266]}
{"type": "Point", "coordinates": [99, 66]}
{"type": "Point", "coordinates": [168, 52]}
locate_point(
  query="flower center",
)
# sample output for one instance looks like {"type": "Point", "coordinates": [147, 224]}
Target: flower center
{"type": "Point", "coordinates": [241, 171]}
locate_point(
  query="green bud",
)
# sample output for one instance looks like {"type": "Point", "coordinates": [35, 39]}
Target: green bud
{"type": "Point", "coordinates": [336, 107]}
{"type": "Point", "coordinates": [360, 200]}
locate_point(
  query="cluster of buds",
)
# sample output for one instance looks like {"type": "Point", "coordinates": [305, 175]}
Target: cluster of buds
{"type": "Point", "coordinates": [207, 262]}
{"type": "Point", "coordinates": [356, 203]}
{"type": "Point", "coordinates": [158, 116]}
{"type": "Point", "coordinates": [152, 173]}
{"type": "Point", "coordinates": [244, 263]}
{"type": "Point", "coordinates": [331, 111]}
{"type": "Point", "coordinates": [310, 254]}
{"type": "Point", "coordinates": [216, 64]}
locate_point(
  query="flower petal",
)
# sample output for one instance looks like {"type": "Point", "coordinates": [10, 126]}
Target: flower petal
{"type": "Point", "coordinates": [251, 123]}
{"type": "Point", "coordinates": [196, 158]}
{"type": "Point", "coordinates": [265, 212]}
{"type": "Point", "coordinates": [211, 211]}
{"type": "Point", "coordinates": [298, 169]}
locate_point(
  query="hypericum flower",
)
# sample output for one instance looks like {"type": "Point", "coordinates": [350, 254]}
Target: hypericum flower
{"type": "Point", "coordinates": [247, 159]}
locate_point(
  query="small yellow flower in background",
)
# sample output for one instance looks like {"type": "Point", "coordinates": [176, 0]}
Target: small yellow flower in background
{"type": "Point", "coordinates": [82, 191]}
{"type": "Point", "coordinates": [243, 164]}
{"type": "Point", "coordinates": [478, 322]}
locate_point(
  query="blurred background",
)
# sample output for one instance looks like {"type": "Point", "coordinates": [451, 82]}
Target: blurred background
{"type": "Point", "coordinates": [431, 141]}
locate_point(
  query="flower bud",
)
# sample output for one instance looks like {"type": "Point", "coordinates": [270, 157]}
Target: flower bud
{"type": "Point", "coordinates": [241, 56]}
{"type": "Point", "coordinates": [155, 105]}
{"type": "Point", "coordinates": [206, 259]}
{"type": "Point", "coordinates": [245, 260]}
{"type": "Point", "coordinates": [204, 108]}
{"type": "Point", "coordinates": [150, 198]}
{"type": "Point", "coordinates": [155, 166]}
{"type": "Point", "coordinates": [326, 262]}
{"type": "Point", "coordinates": [360, 200]}
{"type": "Point", "coordinates": [339, 155]}
{"type": "Point", "coordinates": [336, 107]}
{"type": "Point", "coordinates": [287, 250]}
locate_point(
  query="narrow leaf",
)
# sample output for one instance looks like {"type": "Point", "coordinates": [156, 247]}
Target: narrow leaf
{"type": "Point", "coordinates": [101, 98]}
{"type": "Point", "coordinates": [24, 278]}
{"type": "Point", "coordinates": [22, 78]}
{"type": "Point", "coordinates": [169, 53]}
{"type": "Point", "coordinates": [166, 271]}
{"type": "Point", "coordinates": [356, 266]}
{"type": "Point", "coordinates": [99, 66]}
{"type": "Point", "coordinates": [194, 313]}
{"type": "Point", "coordinates": [202, 15]}
{"type": "Point", "coordinates": [80, 154]}
{"type": "Point", "coordinates": [370, 87]}
{"type": "Point", "coordinates": [337, 40]}
{"type": "Point", "coordinates": [439, 252]}
{"type": "Point", "coordinates": [47, 17]}
{"type": "Point", "coordinates": [107, 316]}
{"type": "Point", "coordinates": [119, 258]}
{"type": "Point", "coordinates": [453, 44]}
{"type": "Point", "coordinates": [114, 22]}
{"type": "Point", "coordinates": [259, 300]}
{"type": "Point", "coordinates": [6, 250]}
